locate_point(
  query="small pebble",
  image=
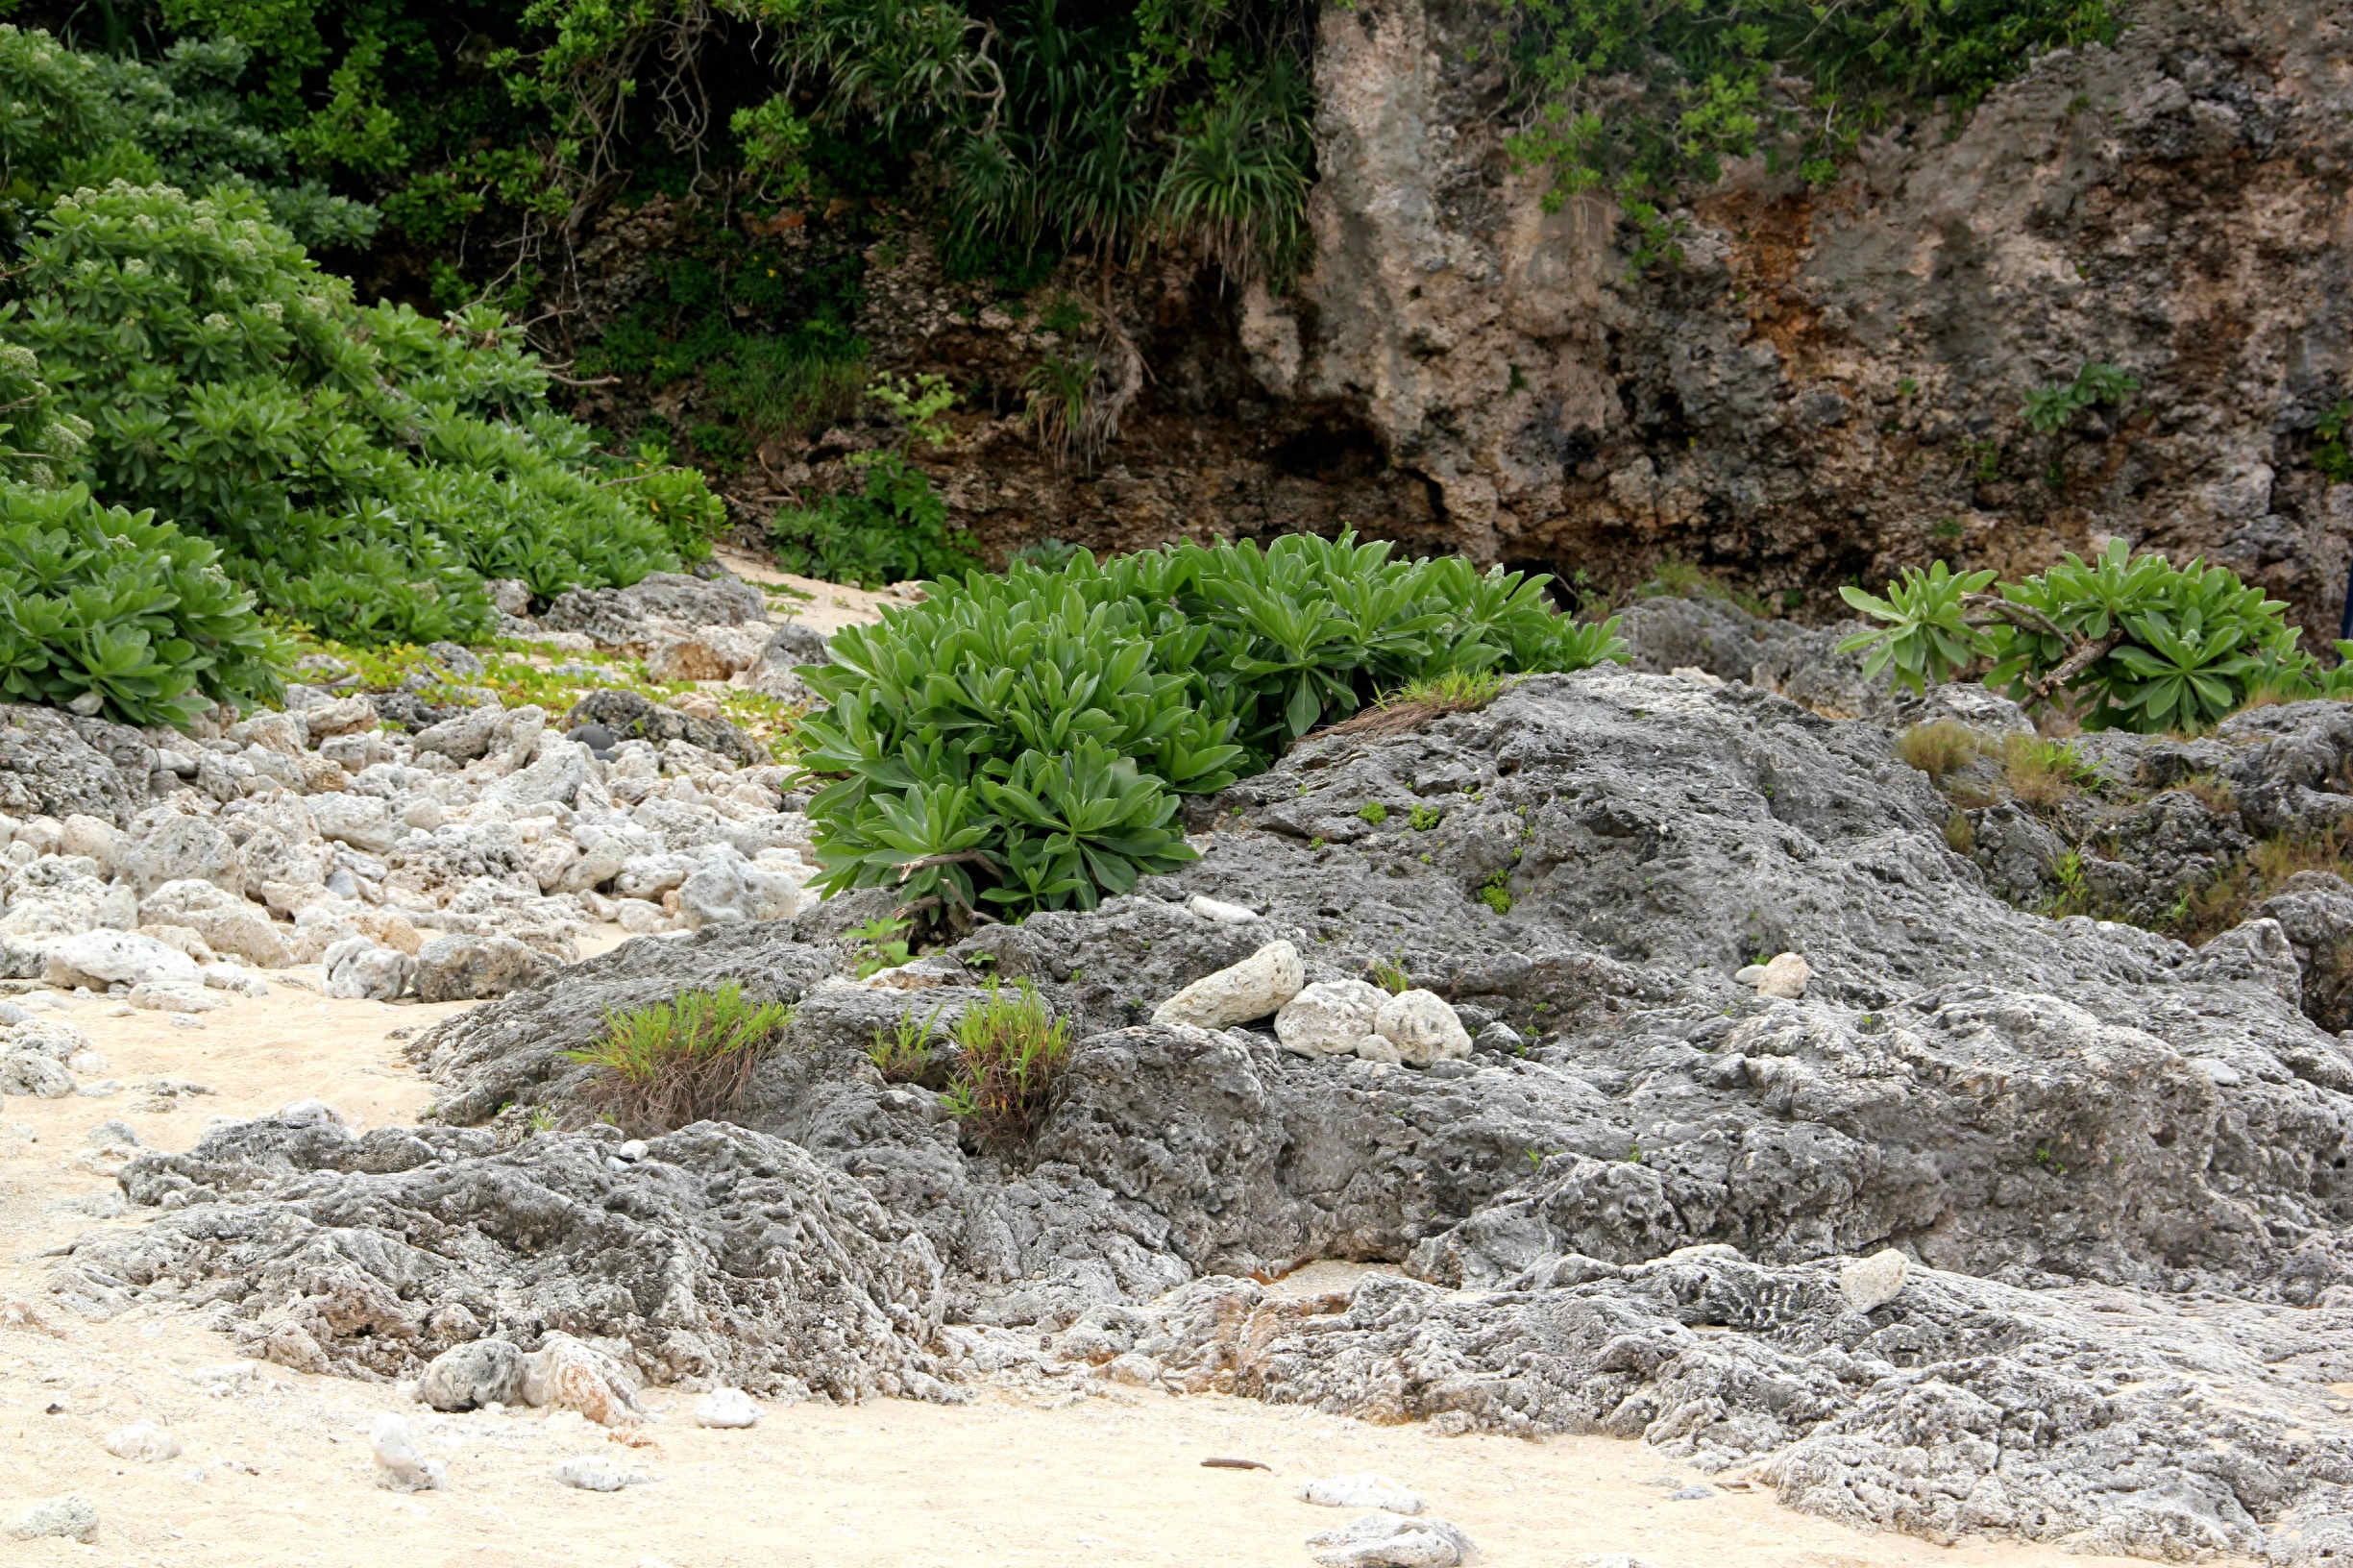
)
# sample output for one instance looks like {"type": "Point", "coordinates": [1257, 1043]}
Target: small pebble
{"type": "Point", "coordinates": [727, 1407]}
{"type": "Point", "coordinates": [72, 1517]}
{"type": "Point", "coordinates": [142, 1440]}
{"type": "Point", "coordinates": [598, 1473]}
{"type": "Point", "coordinates": [399, 1467]}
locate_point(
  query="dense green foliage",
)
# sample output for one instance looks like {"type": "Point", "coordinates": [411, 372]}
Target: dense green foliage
{"type": "Point", "coordinates": [2131, 643]}
{"type": "Point", "coordinates": [364, 469]}
{"type": "Point", "coordinates": [69, 120]}
{"type": "Point", "coordinates": [1640, 97]}
{"type": "Point", "coordinates": [1020, 742]}
{"type": "Point", "coordinates": [893, 527]}
{"type": "Point", "coordinates": [1040, 129]}
{"type": "Point", "coordinates": [103, 612]}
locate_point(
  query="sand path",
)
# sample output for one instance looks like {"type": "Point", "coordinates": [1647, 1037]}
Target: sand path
{"type": "Point", "coordinates": [275, 1468]}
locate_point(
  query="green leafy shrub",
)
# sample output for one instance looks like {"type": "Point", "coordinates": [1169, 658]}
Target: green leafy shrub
{"type": "Point", "coordinates": [1040, 130]}
{"type": "Point", "coordinates": [683, 1060]}
{"type": "Point", "coordinates": [893, 527]}
{"type": "Point", "coordinates": [38, 440]}
{"type": "Point", "coordinates": [2132, 642]}
{"type": "Point", "coordinates": [2330, 453]}
{"type": "Point", "coordinates": [1020, 742]}
{"type": "Point", "coordinates": [74, 118]}
{"type": "Point", "coordinates": [2051, 410]}
{"type": "Point", "coordinates": [363, 469]}
{"type": "Point", "coordinates": [102, 611]}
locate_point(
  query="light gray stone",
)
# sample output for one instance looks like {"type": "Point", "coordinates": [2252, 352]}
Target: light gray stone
{"type": "Point", "coordinates": [143, 1441]}
{"type": "Point", "coordinates": [598, 1473]}
{"type": "Point", "coordinates": [1383, 1541]}
{"type": "Point", "coordinates": [1423, 1027]}
{"type": "Point", "coordinates": [728, 890]}
{"type": "Point", "coordinates": [72, 1517]}
{"type": "Point", "coordinates": [1256, 988]}
{"type": "Point", "coordinates": [358, 968]}
{"type": "Point", "coordinates": [1873, 1282]}
{"type": "Point", "coordinates": [1328, 1017]}
{"type": "Point", "coordinates": [401, 1466]}
{"type": "Point", "coordinates": [1219, 911]}
{"type": "Point", "coordinates": [364, 822]}
{"type": "Point", "coordinates": [727, 1408]}
{"type": "Point", "coordinates": [1362, 1490]}
{"type": "Point", "coordinates": [100, 958]}
{"type": "Point", "coordinates": [165, 847]}
{"type": "Point", "coordinates": [1785, 976]}
{"type": "Point", "coordinates": [227, 923]}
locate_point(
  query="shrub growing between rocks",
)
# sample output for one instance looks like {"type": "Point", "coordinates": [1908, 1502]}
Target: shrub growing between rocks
{"type": "Point", "coordinates": [683, 1060]}
{"type": "Point", "coordinates": [2133, 643]}
{"type": "Point", "coordinates": [1020, 741]}
{"type": "Point", "coordinates": [104, 611]}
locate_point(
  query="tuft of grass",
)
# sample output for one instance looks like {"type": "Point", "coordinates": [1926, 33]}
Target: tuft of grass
{"type": "Point", "coordinates": [1390, 975]}
{"type": "Point", "coordinates": [1415, 703]}
{"type": "Point", "coordinates": [1959, 836]}
{"type": "Point", "coordinates": [1939, 749]}
{"type": "Point", "coordinates": [777, 386]}
{"type": "Point", "coordinates": [683, 1060]}
{"type": "Point", "coordinates": [2214, 794]}
{"type": "Point", "coordinates": [1010, 1060]}
{"type": "Point", "coordinates": [903, 1053]}
{"type": "Point", "coordinates": [2042, 774]}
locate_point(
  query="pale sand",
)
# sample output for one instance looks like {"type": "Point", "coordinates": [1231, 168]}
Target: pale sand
{"type": "Point", "coordinates": [1087, 1476]}
{"type": "Point", "coordinates": [829, 606]}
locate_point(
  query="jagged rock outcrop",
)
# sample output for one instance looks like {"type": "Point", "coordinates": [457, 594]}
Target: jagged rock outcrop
{"type": "Point", "coordinates": [1621, 1213]}
{"type": "Point", "coordinates": [714, 1254]}
{"type": "Point", "coordinates": [1828, 386]}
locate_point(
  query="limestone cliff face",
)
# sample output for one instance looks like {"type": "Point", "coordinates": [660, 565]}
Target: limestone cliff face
{"type": "Point", "coordinates": [1828, 387]}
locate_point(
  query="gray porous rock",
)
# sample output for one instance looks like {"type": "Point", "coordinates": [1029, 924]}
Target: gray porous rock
{"type": "Point", "coordinates": [512, 1050]}
{"type": "Point", "coordinates": [631, 717]}
{"type": "Point", "coordinates": [2118, 1165]}
{"type": "Point", "coordinates": [478, 1372]}
{"type": "Point", "coordinates": [55, 763]}
{"type": "Point", "coordinates": [627, 619]}
{"type": "Point", "coordinates": [1383, 1541]}
{"type": "Point", "coordinates": [722, 1254]}
{"type": "Point", "coordinates": [461, 968]}
{"type": "Point", "coordinates": [794, 644]}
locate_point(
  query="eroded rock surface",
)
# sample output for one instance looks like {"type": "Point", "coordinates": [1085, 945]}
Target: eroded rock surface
{"type": "Point", "coordinates": [2115, 1166]}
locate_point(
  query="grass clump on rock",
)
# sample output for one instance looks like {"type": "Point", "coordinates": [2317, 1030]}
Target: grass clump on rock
{"type": "Point", "coordinates": [683, 1060]}
{"type": "Point", "coordinates": [1011, 1053]}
